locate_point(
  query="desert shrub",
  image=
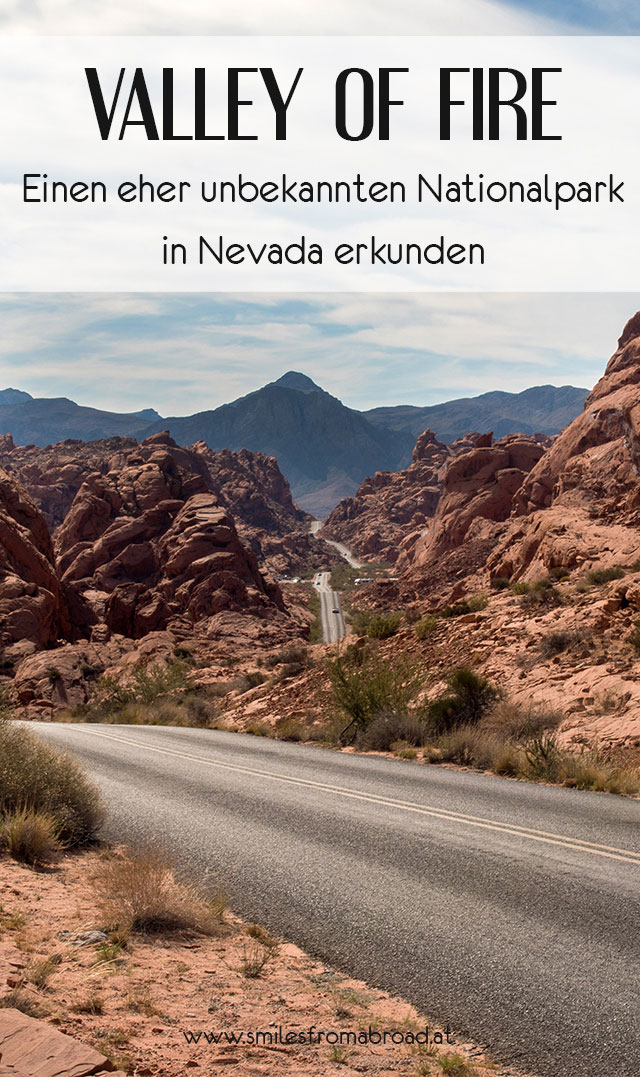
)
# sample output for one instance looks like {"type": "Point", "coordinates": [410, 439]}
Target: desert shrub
{"type": "Point", "coordinates": [294, 654]}
{"type": "Point", "coordinates": [472, 604]}
{"type": "Point", "coordinates": [290, 729]}
{"type": "Point", "coordinates": [520, 587]}
{"type": "Point", "coordinates": [138, 890]}
{"type": "Point", "coordinates": [403, 750]}
{"type": "Point", "coordinates": [598, 576]}
{"type": "Point", "coordinates": [518, 722]}
{"type": "Point", "coordinates": [389, 727]}
{"type": "Point", "coordinates": [36, 777]}
{"type": "Point", "coordinates": [541, 593]}
{"type": "Point", "coordinates": [258, 728]}
{"type": "Point", "coordinates": [467, 699]}
{"type": "Point", "coordinates": [247, 681]}
{"type": "Point", "coordinates": [145, 684]}
{"type": "Point", "coordinates": [500, 583]}
{"type": "Point", "coordinates": [467, 746]}
{"type": "Point", "coordinates": [554, 643]}
{"type": "Point", "coordinates": [256, 957]}
{"type": "Point", "coordinates": [384, 625]}
{"type": "Point", "coordinates": [31, 836]}
{"type": "Point", "coordinates": [633, 638]}
{"type": "Point", "coordinates": [543, 758]}
{"type": "Point", "coordinates": [365, 684]}
{"type": "Point", "coordinates": [425, 626]}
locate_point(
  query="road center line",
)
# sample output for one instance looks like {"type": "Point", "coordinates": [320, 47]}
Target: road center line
{"type": "Point", "coordinates": [549, 838]}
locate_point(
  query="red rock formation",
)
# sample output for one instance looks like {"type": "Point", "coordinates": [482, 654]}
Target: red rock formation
{"type": "Point", "coordinates": [391, 509]}
{"type": "Point", "coordinates": [249, 485]}
{"type": "Point", "coordinates": [150, 543]}
{"type": "Point", "coordinates": [32, 606]}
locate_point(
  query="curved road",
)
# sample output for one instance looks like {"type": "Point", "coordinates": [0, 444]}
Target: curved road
{"type": "Point", "coordinates": [509, 910]}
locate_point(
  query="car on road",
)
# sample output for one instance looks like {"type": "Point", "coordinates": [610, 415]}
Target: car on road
{"type": "Point", "coordinates": [335, 610]}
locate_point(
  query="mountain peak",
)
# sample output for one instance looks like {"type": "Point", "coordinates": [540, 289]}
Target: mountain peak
{"type": "Point", "coordinates": [293, 379]}
{"type": "Point", "coordinates": [14, 396]}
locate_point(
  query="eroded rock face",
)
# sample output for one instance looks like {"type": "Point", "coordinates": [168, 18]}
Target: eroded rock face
{"type": "Point", "coordinates": [391, 509]}
{"type": "Point", "coordinates": [150, 543]}
{"type": "Point", "coordinates": [33, 608]}
{"type": "Point", "coordinates": [249, 485]}
{"type": "Point", "coordinates": [479, 485]}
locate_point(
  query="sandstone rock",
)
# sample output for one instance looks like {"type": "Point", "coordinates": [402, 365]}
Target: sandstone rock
{"type": "Point", "coordinates": [32, 605]}
{"type": "Point", "coordinates": [32, 1048]}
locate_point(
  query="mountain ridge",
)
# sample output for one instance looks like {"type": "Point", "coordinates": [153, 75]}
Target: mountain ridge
{"type": "Point", "coordinates": [325, 448]}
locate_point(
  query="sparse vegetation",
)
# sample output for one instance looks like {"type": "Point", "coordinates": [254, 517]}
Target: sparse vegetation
{"type": "Point", "coordinates": [466, 700]}
{"type": "Point", "coordinates": [365, 684]}
{"type": "Point", "coordinates": [472, 604]}
{"type": "Point", "coordinates": [376, 624]}
{"type": "Point", "coordinates": [255, 958]}
{"type": "Point", "coordinates": [389, 728]}
{"type": "Point", "coordinates": [138, 890]}
{"type": "Point", "coordinates": [31, 836]}
{"type": "Point", "coordinates": [634, 637]}
{"type": "Point", "coordinates": [39, 783]}
{"type": "Point", "coordinates": [425, 626]}
{"type": "Point", "coordinates": [598, 576]}
{"type": "Point", "coordinates": [554, 643]}
{"type": "Point", "coordinates": [500, 583]}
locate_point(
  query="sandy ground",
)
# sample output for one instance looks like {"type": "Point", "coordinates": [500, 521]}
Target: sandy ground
{"type": "Point", "coordinates": [149, 994]}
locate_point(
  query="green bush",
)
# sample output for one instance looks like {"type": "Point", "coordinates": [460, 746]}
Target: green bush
{"type": "Point", "coordinates": [468, 698]}
{"type": "Point", "coordinates": [36, 777]}
{"type": "Point", "coordinates": [466, 605]}
{"type": "Point", "coordinates": [365, 684]}
{"type": "Point", "coordinates": [500, 583]}
{"type": "Point", "coordinates": [425, 626]}
{"type": "Point", "coordinates": [384, 625]}
{"type": "Point", "coordinates": [598, 576]}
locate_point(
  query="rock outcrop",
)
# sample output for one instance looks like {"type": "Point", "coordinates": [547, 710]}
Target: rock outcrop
{"type": "Point", "coordinates": [33, 608]}
{"type": "Point", "coordinates": [392, 508]}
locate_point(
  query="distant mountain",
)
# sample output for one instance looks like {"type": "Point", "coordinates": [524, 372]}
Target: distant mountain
{"type": "Point", "coordinates": [13, 396]}
{"type": "Point", "coordinates": [44, 420]}
{"type": "Point", "coordinates": [544, 409]}
{"type": "Point", "coordinates": [324, 448]}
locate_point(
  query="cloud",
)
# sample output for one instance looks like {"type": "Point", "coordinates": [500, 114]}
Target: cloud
{"type": "Point", "coordinates": [372, 17]}
{"type": "Point", "coordinates": [186, 353]}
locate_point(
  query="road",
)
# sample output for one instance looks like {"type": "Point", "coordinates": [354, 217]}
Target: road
{"type": "Point", "coordinates": [331, 615]}
{"type": "Point", "coordinates": [342, 550]}
{"type": "Point", "coordinates": [509, 910]}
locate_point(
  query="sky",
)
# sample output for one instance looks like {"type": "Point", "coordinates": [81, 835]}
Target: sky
{"type": "Point", "coordinates": [185, 353]}
{"type": "Point", "coordinates": [332, 16]}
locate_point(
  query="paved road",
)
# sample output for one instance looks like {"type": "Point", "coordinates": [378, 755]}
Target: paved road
{"type": "Point", "coordinates": [342, 550]}
{"type": "Point", "coordinates": [331, 615]}
{"type": "Point", "coordinates": [509, 910]}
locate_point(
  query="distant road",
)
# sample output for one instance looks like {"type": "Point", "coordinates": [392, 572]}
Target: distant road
{"type": "Point", "coordinates": [508, 910]}
{"type": "Point", "coordinates": [331, 615]}
{"type": "Point", "coordinates": [342, 550]}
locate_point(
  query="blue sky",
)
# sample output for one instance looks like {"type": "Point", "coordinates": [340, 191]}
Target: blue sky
{"type": "Point", "coordinates": [330, 17]}
{"type": "Point", "coordinates": [185, 353]}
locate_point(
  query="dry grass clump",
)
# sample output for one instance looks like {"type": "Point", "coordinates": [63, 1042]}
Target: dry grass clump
{"type": "Point", "coordinates": [31, 836]}
{"type": "Point", "coordinates": [514, 721]}
{"type": "Point", "coordinates": [139, 890]}
{"type": "Point", "coordinates": [389, 728]}
{"type": "Point", "coordinates": [256, 957]}
{"type": "Point", "coordinates": [42, 781]}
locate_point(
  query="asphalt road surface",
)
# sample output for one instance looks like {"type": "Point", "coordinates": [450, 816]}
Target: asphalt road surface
{"type": "Point", "coordinates": [510, 911]}
{"type": "Point", "coordinates": [331, 615]}
{"type": "Point", "coordinates": [342, 549]}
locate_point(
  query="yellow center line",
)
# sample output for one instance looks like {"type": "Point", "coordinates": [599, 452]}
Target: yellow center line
{"type": "Point", "coordinates": [612, 852]}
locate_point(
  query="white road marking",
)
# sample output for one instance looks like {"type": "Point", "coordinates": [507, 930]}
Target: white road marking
{"type": "Point", "coordinates": [549, 838]}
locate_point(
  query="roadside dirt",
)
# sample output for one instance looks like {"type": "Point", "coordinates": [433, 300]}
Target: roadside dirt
{"type": "Point", "coordinates": [145, 997]}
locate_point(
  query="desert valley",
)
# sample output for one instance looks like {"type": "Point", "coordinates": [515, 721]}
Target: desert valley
{"type": "Point", "coordinates": [466, 612]}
